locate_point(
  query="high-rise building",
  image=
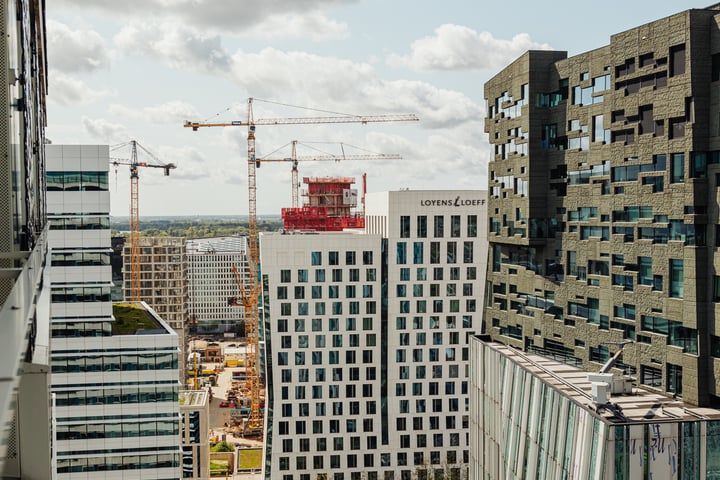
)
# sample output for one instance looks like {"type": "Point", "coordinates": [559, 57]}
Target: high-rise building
{"type": "Point", "coordinates": [602, 204]}
{"type": "Point", "coordinates": [367, 340]}
{"type": "Point", "coordinates": [211, 282]}
{"type": "Point", "coordinates": [603, 229]}
{"type": "Point", "coordinates": [25, 413]}
{"type": "Point", "coordinates": [114, 368]}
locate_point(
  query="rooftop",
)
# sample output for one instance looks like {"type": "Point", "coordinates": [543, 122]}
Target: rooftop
{"type": "Point", "coordinates": [134, 319]}
{"type": "Point", "coordinates": [233, 244]}
{"type": "Point", "coordinates": [193, 398]}
{"type": "Point", "coordinates": [641, 406]}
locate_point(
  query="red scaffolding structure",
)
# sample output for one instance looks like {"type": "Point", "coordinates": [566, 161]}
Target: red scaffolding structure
{"type": "Point", "coordinates": [328, 207]}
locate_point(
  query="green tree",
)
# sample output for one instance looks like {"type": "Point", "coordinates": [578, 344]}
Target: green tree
{"type": "Point", "coordinates": [222, 447]}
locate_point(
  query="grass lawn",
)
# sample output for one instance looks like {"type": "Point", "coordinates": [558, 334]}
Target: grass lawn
{"type": "Point", "coordinates": [218, 467]}
{"type": "Point", "coordinates": [250, 458]}
{"type": "Point", "coordinates": [129, 318]}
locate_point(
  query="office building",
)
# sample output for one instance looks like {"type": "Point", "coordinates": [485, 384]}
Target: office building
{"type": "Point", "coordinates": [26, 448]}
{"type": "Point", "coordinates": [367, 340]}
{"type": "Point", "coordinates": [603, 209]}
{"type": "Point", "coordinates": [536, 417]}
{"type": "Point", "coordinates": [212, 281]}
{"type": "Point", "coordinates": [194, 430]}
{"type": "Point", "coordinates": [114, 368]}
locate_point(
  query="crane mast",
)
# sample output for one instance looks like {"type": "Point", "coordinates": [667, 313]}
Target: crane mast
{"type": "Point", "coordinates": [135, 209]}
{"type": "Point", "coordinates": [295, 181]}
{"type": "Point", "coordinates": [134, 226]}
{"type": "Point", "coordinates": [250, 295]}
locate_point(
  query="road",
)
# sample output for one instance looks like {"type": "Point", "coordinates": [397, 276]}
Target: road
{"type": "Point", "coordinates": [220, 417]}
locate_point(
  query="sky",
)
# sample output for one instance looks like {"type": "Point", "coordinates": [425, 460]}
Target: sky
{"type": "Point", "coordinates": [139, 69]}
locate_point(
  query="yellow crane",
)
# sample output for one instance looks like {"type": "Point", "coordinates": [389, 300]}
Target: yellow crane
{"type": "Point", "coordinates": [251, 292]}
{"type": "Point", "coordinates": [294, 159]}
{"type": "Point", "coordinates": [135, 206]}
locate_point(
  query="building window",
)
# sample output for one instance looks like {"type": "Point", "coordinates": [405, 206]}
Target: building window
{"type": "Point", "coordinates": [316, 291]}
{"type": "Point", "coordinates": [367, 257]}
{"type": "Point", "coordinates": [676, 278]}
{"type": "Point", "coordinates": [316, 258]}
{"type": "Point", "coordinates": [678, 168]}
{"type": "Point", "coordinates": [650, 376]}
{"type": "Point", "coordinates": [337, 275]}
{"type": "Point", "coordinates": [455, 225]}
{"type": "Point", "coordinates": [302, 275]}
{"type": "Point", "coordinates": [418, 253]}
{"type": "Point", "coordinates": [401, 253]}
{"type": "Point", "coordinates": [349, 258]}
{"type": "Point", "coordinates": [472, 226]}
{"type": "Point", "coordinates": [404, 226]}
{"type": "Point", "coordinates": [451, 252]}
{"type": "Point", "coordinates": [674, 379]}
{"type": "Point", "coordinates": [468, 252]}
{"type": "Point", "coordinates": [434, 252]}
{"type": "Point", "coordinates": [422, 226]}
{"type": "Point", "coordinates": [439, 226]}
{"type": "Point", "coordinates": [677, 60]}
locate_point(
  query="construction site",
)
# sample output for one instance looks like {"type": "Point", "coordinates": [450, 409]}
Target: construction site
{"type": "Point", "coordinates": [248, 280]}
{"type": "Point", "coordinates": [156, 271]}
{"type": "Point", "coordinates": [218, 367]}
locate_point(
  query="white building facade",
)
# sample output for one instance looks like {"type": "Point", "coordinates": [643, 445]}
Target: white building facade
{"type": "Point", "coordinates": [437, 257]}
{"type": "Point", "coordinates": [116, 408]}
{"type": "Point", "coordinates": [194, 431]}
{"type": "Point", "coordinates": [367, 340]}
{"type": "Point", "coordinates": [211, 282]}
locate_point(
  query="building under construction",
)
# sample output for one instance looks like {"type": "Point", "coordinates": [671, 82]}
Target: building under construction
{"type": "Point", "coordinates": [329, 206]}
{"type": "Point", "coordinates": [163, 280]}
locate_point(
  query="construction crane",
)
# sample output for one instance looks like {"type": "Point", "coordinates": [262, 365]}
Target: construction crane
{"type": "Point", "coordinates": [320, 158]}
{"type": "Point", "coordinates": [135, 207]}
{"type": "Point", "coordinates": [252, 291]}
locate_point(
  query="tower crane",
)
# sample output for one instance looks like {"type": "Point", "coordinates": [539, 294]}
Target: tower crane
{"type": "Point", "coordinates": [319, 158]}
{"type": "Point", "coordinates": [134, 206]}
{"type": "Point", "coordinates": [252, 291]}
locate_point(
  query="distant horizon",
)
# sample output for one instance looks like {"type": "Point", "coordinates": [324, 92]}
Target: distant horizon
{"type": "Point", "coordinates": [161, 217]}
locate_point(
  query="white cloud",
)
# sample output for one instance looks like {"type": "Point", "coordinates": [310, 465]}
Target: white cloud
{"type": "Point", "coordinates": [176, 44]}
{"type": "Point", "coordinates": [123, 111]}
{"type": "Point", "coordinates": [455, 47]}
{"type": "Point", "coordinates": [304, 78]}
{"type": "Point", "coordinates": [173, 112]}
{"type": "Point", "coordinates": [66, 90]}
{"type": "Point", "coordinates": [105, 131]}
{"type": "Point", "coordinates": [75, 50]}
{"type": "Point", "coordinates": [228, 16]}
{"type": "Point", "coordinates": [317, 27]}
{"type": "Point", "coordinates": [189, 162]}
{"type": "Point", "coordinates": [308, 79]}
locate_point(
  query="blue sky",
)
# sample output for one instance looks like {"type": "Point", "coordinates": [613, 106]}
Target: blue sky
{"type": "Point", "coordinates": [137, 69]}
